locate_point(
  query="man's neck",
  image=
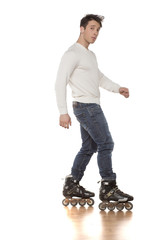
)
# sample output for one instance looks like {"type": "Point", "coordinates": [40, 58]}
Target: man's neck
{"type": "Point", "coordinates": [83, 42]}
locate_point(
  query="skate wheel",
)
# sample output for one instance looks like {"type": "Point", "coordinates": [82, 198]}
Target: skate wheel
{"type": "Point", "coordinates": [128, 206]}
{"type": "Point", "coordinates": [111, 206]}
{"type": "Point", "coordinates": [73, 202]}
{"type": "Point", "coordinates": [102, 206]}
{"type": "Point", "coordinates": [65, 202]}
{"type": "Point", "coordinates": [90, 201]}
{"type": "Point", "coordinates": [82, 202]}
{"type": "Point", "coordinates": [120, 206]}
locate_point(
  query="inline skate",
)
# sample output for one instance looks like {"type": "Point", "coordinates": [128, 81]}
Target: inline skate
{"type": "Point", "coordinates": [74, 193]}
{"type": "Point", "coordinates": [112, 197]}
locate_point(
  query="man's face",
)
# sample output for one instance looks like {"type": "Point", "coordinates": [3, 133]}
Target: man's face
{"type": "Point", "coordinates": [90, 33]}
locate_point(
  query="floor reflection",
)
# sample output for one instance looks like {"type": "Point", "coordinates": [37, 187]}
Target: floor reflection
{"type": "Point", "coordinates": [90, 223]}
{"type": "Point", "coordinates": [115, 225]}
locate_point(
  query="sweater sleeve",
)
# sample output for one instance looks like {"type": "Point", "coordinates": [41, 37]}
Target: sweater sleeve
{"type": "Point", "coordinates": [107, 84]}
{"type": "Point", "coordinates": [66, 68]}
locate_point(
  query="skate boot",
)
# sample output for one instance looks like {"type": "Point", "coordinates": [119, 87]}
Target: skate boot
{"type": "Point", "coordinates": [112, 197]}
{"type": "Point", "coordinates": [74, 193]}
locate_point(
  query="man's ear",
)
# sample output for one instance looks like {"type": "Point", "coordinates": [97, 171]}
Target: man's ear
{"type": "Point", "coordinates": [82, 29]}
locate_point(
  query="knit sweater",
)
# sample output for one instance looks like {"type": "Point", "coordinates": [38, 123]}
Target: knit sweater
{"type": "Point", "coordinates": [79, 69]}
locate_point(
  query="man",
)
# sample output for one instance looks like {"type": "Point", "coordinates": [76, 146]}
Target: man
{"type": "Point", "coordinates": [79, 68]}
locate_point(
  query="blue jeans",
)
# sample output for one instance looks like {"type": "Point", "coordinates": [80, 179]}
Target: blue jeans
{"type": "Point", "coordinates": [96, 137]}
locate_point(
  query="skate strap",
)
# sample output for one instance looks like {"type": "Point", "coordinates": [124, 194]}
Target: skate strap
{"type": "Point", "coordinates": [116, 189]}
{"type": "Point", "coordinates": [72, 190]}
{"type": "Point", "coordinates": [110, 193]}
{"type": "Point", "coordinates": [81, 190]}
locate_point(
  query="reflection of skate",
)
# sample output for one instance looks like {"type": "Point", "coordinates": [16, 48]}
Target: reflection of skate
{"type": "Point", "coordinates": [112, 197]}
{"type": "Point", "coordinates": [74, 193]}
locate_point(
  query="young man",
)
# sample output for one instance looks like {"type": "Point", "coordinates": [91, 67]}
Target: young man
{"type": "Point", "coordinates": [79, 68]}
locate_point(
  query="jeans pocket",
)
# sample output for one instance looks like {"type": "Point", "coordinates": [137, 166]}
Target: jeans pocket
{"type": "Point", "coordinates": [80, 116]}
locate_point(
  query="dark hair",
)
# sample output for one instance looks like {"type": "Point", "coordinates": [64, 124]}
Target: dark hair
{"type": "Point", "coordinates": [84, 21]}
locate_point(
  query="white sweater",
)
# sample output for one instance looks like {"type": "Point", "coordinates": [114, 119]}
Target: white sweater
{"type": "Point", "coordinates": [79, 68]}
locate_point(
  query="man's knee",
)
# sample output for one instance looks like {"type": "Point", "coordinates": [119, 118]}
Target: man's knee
{"type": "Point", "coordinates": [88, 151]}
{"type": "Point", "coordinates": [108, 146]}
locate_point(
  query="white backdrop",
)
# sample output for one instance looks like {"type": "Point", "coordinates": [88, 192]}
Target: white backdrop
{"type": "Point", "coordinates": [35, 153]}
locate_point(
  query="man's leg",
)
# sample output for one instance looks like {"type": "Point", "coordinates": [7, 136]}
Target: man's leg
{"type": "Point", "coordinates": [71, 187]}
{"type": "Point", "coordinates": [84, 155]}
{"type": "Point", "coordinates": [96, 129]}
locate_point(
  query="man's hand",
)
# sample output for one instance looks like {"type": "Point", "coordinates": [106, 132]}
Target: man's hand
{"type": "Point", "coordinates": [65, 120]}
{"type": "Point", "coordinates": [124, 91]}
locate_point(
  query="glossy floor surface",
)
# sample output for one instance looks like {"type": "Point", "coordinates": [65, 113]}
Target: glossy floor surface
{"type": "Point", "coordinates": [89, 223]}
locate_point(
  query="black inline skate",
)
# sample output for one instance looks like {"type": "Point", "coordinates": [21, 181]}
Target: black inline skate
{"type": "Point", "coordinates": [74, 193]}
{"type": "Point", "coordinates": [112, 197]}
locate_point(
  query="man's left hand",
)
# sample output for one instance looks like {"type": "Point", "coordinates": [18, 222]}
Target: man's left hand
{"type": "Point", "coordinates": [124, 91]}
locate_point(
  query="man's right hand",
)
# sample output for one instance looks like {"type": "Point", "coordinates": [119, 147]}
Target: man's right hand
{"type": "Point", "coordinates": [65, 120]}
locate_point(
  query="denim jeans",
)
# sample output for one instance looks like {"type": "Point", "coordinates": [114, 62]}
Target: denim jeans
{"type": "Point", "coordinates": [96, 137]}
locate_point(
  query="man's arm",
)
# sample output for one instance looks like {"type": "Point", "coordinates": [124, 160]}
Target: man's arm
{"type": "Point", "coordinates": [66, 67]}
{"type": "Point", "coordinates": [107, 84]}
{"type": "Point", "coordinates": [65, 70]}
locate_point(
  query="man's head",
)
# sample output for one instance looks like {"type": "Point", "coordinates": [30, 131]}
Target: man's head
{"type": "Point", "coordinates": [89, 27]}
{"type": "Point", "coordinates": [84, 21]}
